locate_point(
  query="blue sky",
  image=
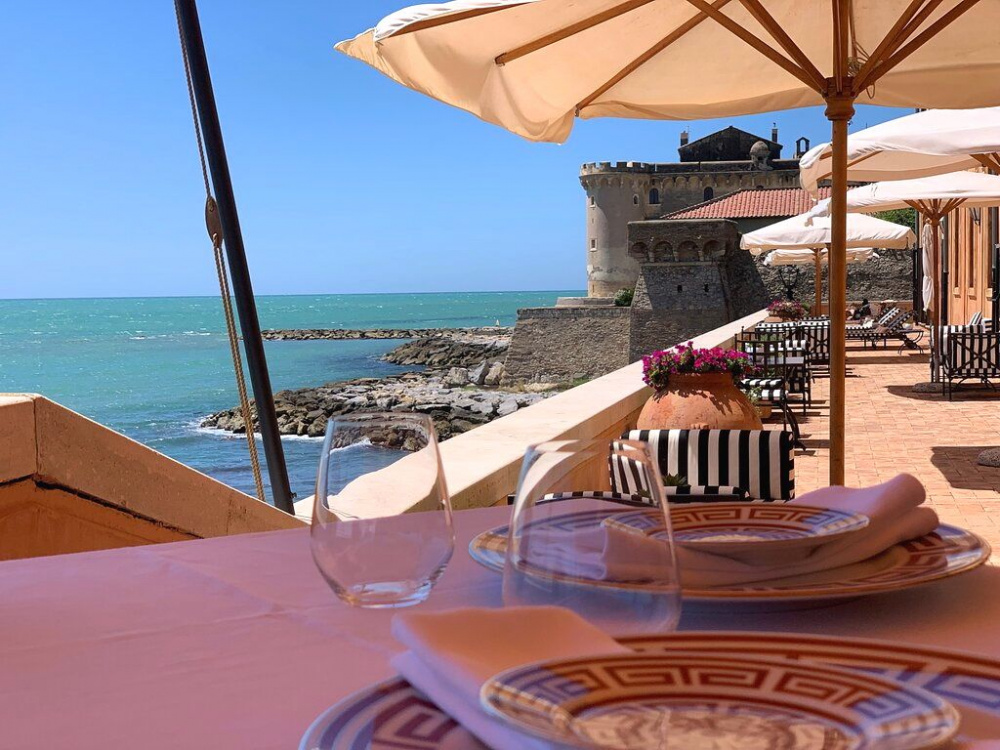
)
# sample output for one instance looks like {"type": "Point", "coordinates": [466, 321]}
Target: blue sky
{"type": "Point", "coordinates": [345, 181]}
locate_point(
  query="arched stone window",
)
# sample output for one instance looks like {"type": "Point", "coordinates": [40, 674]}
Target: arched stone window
{"type": "Point", "coordinates": [635, 200]}
{"type": "Point", "coordinates": [654, 196]}
{"type": "Point", "coordinates": [593, 201]}
{"type": "Point", "coordinates": [708, 194]}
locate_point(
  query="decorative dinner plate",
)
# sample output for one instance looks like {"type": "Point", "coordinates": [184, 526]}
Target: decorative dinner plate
{"type": "Point", "coordinates": [393, 715]}
{"type": "Point", "coordinates": [945, 552]}
{"type": "Point", "coordinates": [759, 529]}
{"type": "Point", "coordinates": [692, 701]}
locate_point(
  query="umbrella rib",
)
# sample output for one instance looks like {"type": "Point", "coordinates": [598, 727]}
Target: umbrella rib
{"type": "Point", "coordinates": [898, 34]}
{"type": "Point", "coordinates": [758, 44]}
{"type": "Point", "coordinates": [571, 30]}
{"type": "Point", "coordinates": [765, 19]}
{"type": "Point", "coordinates": [429, 23]}
{"type": "Point", "coordinates": [921, 39]}
{"type": "Point", "coordinates": [648, 55]}
{"type": "Point", "coordinates": [990, 161]}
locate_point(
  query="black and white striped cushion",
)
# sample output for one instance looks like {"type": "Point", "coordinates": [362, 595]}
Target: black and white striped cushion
{"type": "Point", "coordinates": [617, 497]}
{"type": "Point", "coordinates": [627, 476]}
{"type": "Point", "coordinates": [691, 490]}
{"type": "Point", "coordinates": [976, 319]}
{"type": "Point", "coordinates": [970, 353]}
{"type": "Point", "coordinates": [762, 462]}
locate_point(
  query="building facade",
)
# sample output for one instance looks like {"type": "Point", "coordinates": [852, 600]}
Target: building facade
{"type": "Point", "coordinates": [970, 247]}
{"type": "Point", "coordinates": [710, 167]}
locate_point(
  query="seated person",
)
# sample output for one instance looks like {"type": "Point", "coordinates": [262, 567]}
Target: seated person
{"type": "Point", "coordinates": [862, 313]}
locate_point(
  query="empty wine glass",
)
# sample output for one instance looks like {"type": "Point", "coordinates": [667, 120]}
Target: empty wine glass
{"type": "Point", "coordinates": [608, 557]}
{"type": "Point", "coordinates": [382, 529]}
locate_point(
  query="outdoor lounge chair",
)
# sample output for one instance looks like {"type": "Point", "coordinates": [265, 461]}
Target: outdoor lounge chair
{"type": "Point", "coordinates": [752, 464]}
{"type": "Point", "coordinates": [969, 353]}
{"type": "Point", "coordinates": [861, 331]}
{"type": "Point", "coordinates": [891, 329]}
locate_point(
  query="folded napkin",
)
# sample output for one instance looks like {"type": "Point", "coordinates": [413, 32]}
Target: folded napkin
{"type": "Point", "coordinates": [894, 513]}
{"type": "Point", "coordinates": [609, 551]}
{"type": "Point", "coordinates": [451, 654]}
{"type": "Point", "coordinates": [614, 551]}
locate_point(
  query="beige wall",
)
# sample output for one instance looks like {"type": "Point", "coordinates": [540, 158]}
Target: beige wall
{"type": "Point", "coordinates": [68, 484]}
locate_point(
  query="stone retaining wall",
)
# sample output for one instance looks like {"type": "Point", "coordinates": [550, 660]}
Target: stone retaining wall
{"type": "Point", "coordinates": [557, 344]}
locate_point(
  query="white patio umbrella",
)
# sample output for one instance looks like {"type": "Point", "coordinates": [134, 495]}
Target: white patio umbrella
{"type": "Point", "coordinates": [923, 144]}
{"type": "Point", "coordinates": [934, 198]}
{"type": "Point", "coordinates": [532, 66]}
{"type": "Point", "coordinates": [810, 232]}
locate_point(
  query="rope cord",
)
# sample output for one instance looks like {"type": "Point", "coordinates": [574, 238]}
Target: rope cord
{"type": "Point", "coordinates": [215, 232]}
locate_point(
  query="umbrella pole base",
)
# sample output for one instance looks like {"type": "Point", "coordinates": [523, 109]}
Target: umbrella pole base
{"type": "Point", "coordinates": [928, 387]}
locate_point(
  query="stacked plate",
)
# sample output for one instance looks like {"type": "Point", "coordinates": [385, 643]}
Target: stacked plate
{"type": "Point", "coordinates": [763, 532]}
{"type": "Point", "coordinates": [703, 690]}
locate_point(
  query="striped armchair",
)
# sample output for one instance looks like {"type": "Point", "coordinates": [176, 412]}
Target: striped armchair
{"type": "Point", "coordinates": [969, 352]}
{"type": "Point", "coordinates": [751, 464]}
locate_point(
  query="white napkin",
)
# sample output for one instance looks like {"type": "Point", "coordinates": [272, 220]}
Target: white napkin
{"type": "Point", "coordinates": [894, 513]}
{"type": "Point", "coordinates": [451, 654]}
{"type": "Point", "coordinates": [610, 551]}
{"type": "Point", "coordinates": [613, 551]}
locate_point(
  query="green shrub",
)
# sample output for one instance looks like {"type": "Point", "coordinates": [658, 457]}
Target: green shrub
{"type": "Point", "coordinates": [624, 297]}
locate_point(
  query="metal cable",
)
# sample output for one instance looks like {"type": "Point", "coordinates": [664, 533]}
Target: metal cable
{"type": "Point", "coordinates": [215, 233]}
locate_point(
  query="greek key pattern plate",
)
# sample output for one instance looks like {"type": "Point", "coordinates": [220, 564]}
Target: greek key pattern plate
{"type": "Point", "coordinates": [728, 527]}
{"type": "Point", "coordinates": [947, 551]}
{"type": "Point", "coordinates": [393, 715]}
{"type": "Point", "coordinates": [691, 701]}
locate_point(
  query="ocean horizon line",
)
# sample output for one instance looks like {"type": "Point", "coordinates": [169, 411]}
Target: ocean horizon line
{"type": "Point", "coordinates": [297, 294]}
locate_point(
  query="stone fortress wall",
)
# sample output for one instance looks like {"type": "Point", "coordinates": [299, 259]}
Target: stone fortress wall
{"type": "Point", "coordinates": [621, 192]}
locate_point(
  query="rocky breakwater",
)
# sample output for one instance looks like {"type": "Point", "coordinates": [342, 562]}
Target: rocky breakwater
{"type": "Point", "coordinates": [459, 389]}
{"type": "Point", "coordinates": [470, 348]}
{"type": "Point", "coordinates": [355, 334]}
{"type": "Point", "coordinates": [454, 403]}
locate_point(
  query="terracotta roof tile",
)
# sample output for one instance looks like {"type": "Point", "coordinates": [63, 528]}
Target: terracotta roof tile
{"type": "Point", "coordinates": [752, 203]}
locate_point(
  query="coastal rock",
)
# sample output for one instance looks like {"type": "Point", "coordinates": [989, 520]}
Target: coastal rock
{"type": "Point", "coordinates": [495, 374]}
{"type": "Point", "coordinates": [477, 374]}
{"type": "Point", "coordinates": [450, 350]}
{"type": "Point", "coordinates": [346, 334]}
{"type": "Point", "coordinates": [454, 410]}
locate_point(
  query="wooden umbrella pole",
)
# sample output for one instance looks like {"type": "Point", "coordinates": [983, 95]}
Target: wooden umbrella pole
{"type": "Point", "coordinates": [839, 110]}
{"type": "Point", "coordinates": [818, 283]}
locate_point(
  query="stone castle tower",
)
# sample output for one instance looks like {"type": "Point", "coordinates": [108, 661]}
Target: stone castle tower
{"type": "Point", "coordinates": [710, 167]}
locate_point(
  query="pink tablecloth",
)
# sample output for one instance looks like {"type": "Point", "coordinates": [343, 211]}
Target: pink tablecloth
{"type": "Point", "coordinates": [238, 643]}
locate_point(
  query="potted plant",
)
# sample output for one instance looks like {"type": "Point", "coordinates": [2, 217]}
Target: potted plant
{"type": "Point", "coordinates": [763, 410]}
{"type": "Point", "coordinates": [696, 389]}
{"type": "Point", "coordinates": [783, 309]}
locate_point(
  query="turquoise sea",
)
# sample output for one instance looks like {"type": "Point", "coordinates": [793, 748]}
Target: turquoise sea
{"type": "Point", "coordinates": [152, 368]}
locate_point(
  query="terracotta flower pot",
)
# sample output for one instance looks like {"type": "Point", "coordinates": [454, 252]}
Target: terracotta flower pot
{"type": "Point", "coordinates": [709, 401]}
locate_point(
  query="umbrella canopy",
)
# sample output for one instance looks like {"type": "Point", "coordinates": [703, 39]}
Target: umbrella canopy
{"type": "Point", "coordinates": [807, 231]}
{"type": "Point", "coordinates": [808, 257]}
{"type": "Point", "coordinates": [957, 189]}
{"type": "Point", "coordinates": [532, 66]}
{"type": "Point", "coordinates": [918, 145]}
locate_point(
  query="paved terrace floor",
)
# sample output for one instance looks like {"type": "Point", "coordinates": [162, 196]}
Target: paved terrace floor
{"type": "Point", "coordinates": [891, 429]}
